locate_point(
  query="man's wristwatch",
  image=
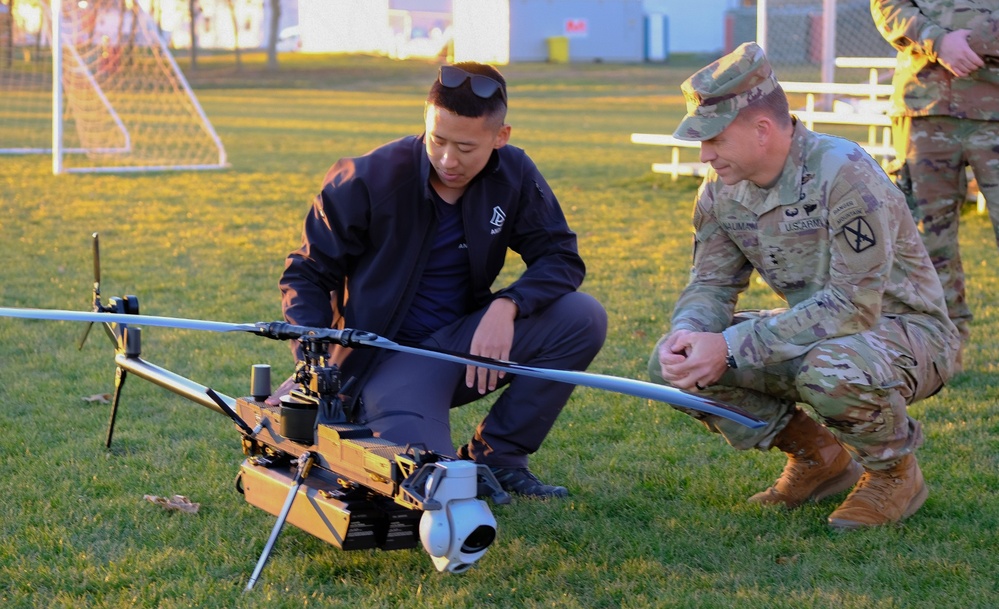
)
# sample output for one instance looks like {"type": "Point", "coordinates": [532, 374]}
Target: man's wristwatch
{"type": "Point", "coordinates": [729, 359]}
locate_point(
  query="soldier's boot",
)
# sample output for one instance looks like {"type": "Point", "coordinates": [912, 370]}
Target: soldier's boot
{"type": "Point", "coordinates": [817, 465]}
{"type": "Point", "coordinates": [882, 497]}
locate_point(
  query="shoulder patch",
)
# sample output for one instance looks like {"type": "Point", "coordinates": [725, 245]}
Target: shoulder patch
{"type": "Point", "coordinates": [859, 235]}
{"type": "Point", "coordinates": [845, 211]}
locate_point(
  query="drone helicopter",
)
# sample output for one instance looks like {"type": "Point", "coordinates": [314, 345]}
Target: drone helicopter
{"type": "Point", "coordinates": [307, 464]}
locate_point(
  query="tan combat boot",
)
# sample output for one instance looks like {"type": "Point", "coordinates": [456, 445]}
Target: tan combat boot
{"type": "Point", "coordinates": [817, 465]}
{"type": "Point", "coordinates": [882, 497]}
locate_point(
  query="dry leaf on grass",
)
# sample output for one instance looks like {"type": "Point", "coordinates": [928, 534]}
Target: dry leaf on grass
{"type": "Point", "coordinates": [177, 502]}
{"type": "Point", "coordinates": [100, 398]}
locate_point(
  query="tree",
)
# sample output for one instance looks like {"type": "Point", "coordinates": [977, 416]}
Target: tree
{"type": "Point", "coordinates": [235, 32]}
{"type": "Point", "coordinates": [272, 35]}
{"type": "Point", "coordinates": [192, 7]}
{"type": "Point", "coordinates": [7, 35]}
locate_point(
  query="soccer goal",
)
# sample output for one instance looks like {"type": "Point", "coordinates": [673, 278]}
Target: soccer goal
{"type": "Point", "coordinates": [97, 89]}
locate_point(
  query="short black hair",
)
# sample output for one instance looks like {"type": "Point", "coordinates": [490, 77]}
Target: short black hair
{"type": "Point", "coordinates": [461, 100]}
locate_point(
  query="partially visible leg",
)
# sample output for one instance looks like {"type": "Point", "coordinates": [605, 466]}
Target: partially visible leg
{"type": "Point", "coordinates": [817, 464]}
{"type": "Point", "coordinates": [407, 400]}
{"type": "Point", "coordinates": [860, 386]}
{"type": "Point", "coordinates": [936, 166]}
{"type": "Point", "coordinates": [979, 139]}
{"type": "Point", "coordinates": [767, 394]}
{"type": "Point", "coordinates": [983, 156]}
{"type": "Point", "coordinates": [566, 335]}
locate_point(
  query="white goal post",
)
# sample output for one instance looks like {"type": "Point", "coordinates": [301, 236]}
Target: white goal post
{"type": "Point", "coordinates": [98, 89]}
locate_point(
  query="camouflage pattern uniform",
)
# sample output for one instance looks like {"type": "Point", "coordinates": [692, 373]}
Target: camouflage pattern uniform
{"type": "Point", "coordinates": [865, 332]}
{"type": "Point", "coordinates": [942, 123]}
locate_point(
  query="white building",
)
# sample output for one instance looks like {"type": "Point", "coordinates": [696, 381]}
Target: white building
{"type": "Point", "coordinates": [501, 31]}
{"type": "Point", "coordinates": [495, 31]}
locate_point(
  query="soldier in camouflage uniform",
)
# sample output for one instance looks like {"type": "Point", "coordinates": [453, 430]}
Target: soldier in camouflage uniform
{"type": "Point", "coordinates": [945, 117]}
{"type": "Point", "coordinates": [865, 332]}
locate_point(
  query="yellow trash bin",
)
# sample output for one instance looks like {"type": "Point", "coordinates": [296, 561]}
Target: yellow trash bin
{"type": "Point", "coordinates": [558, 49]}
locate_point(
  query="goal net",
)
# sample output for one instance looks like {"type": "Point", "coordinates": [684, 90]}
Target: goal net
{"type": "Point", "coordinates": [123, 104]}
{"type": "Point", "coordinates": [804, 38]}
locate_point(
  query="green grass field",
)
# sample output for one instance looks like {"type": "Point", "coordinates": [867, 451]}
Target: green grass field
{"type": "Point", "coordinates": [657, 515]}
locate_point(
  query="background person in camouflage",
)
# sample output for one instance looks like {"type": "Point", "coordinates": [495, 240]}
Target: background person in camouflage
{"type": "Point", "coordinates": [945, 117]}
{"type": "Point", "coordinates": [865, 332]}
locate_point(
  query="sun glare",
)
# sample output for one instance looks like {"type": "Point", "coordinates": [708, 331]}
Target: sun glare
{"type": "Point", "coordinates": [475, 30]}
{"type": "Point", "coordinates": [482, 31]}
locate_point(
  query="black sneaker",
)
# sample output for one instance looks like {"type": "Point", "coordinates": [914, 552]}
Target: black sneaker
{"type": "Point", "coordinates": [520, 481]}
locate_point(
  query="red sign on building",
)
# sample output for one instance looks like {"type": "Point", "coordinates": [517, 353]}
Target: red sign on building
{"type": "Point", "coordinates": [576, 27]}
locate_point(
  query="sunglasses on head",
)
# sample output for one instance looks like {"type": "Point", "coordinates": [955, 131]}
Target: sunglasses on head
{"type": "Point", "coordinates": [483, 86]}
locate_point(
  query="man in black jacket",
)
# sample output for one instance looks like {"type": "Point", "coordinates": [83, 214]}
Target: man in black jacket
{"type": "Point", "coordinates": [406, 242]}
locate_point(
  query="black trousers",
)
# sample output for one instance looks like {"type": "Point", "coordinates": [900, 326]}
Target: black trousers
{"type": "Point", "coordinates": [408, 398]}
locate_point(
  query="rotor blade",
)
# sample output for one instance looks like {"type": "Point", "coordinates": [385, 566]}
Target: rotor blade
{"type": "Point", "coordinates": [124, 318]}
{"type": "Point", "coordinates": [279, 330]}
{"type": "Point", "coordinates": [642, 389]}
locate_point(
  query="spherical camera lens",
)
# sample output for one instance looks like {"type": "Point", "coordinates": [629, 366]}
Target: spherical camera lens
{"type": "Point", "coordinates": [479, 539]}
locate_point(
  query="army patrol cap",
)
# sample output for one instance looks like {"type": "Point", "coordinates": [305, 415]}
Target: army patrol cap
{"type": "Point", "coordinates": [715, 93]}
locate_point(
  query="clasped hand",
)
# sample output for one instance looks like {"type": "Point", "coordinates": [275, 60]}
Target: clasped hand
{"type": "Point", "coordinates": [693, 360]}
